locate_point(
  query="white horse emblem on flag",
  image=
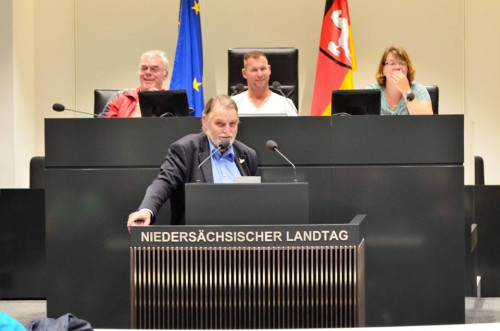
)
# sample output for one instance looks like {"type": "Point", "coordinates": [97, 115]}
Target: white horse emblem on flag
{"type": "Point", "coordinates": [343, 41]}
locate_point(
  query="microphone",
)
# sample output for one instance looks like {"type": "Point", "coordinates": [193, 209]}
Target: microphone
{"type": "Point", "coordinates": [59, 107]}
{"type": "Point", "coordinates": [223, 145]}
{"type": "Point", "coordinates": [273, 146]}
{"type": "Point", "coordinates": [277, 86]}
{"type": "Point", "coordinates": [238, 89]}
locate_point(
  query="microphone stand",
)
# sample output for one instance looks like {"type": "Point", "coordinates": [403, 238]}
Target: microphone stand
{"type": "Point", "coordinates": [277, 86]}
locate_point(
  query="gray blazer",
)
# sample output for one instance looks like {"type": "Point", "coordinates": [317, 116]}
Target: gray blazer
{"type": "Point", "coordinates": [181, 166]}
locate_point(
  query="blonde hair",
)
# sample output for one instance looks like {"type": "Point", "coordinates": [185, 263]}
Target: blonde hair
{"type": "Point", "coordinates": [254, 55]}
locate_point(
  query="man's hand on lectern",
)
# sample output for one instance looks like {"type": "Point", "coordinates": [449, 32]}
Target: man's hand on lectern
{"type": "Point", "coordinates": [139, 218]}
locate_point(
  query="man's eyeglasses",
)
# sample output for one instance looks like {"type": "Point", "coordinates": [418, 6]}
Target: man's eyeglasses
{"type": "Point", "coordinates": [393, 64]}
{"type": "Point", "coordinates": [154, 69]}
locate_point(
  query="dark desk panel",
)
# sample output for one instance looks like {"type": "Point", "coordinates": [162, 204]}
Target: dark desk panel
{"type": "Point", "coordinates": [143, 142]}
{"type": "Point", "coordinates": [487, 210]}
{"type": "Point", "coordinates": [22, 244]}
{"type": "Point", "coordinates": [414, 231]}
{"type": "Point", "coordinates": [398, 140]}
{"type": "Point", "coordinates": [303, 140]}
{"type": "Point", "coordinates": [414, 235]}
{"type": "Point", "coordinates": [405, 173]}
{"type": "Point", "coordinates": [320, 190]}
{"type": "Point", "coordinates": [88, 242]}
{"type": "Point", "coordinates": [471, 268]}
{"type": "Point", "coordinates": [117, 142]}
{"type": "Point", "coordinates": [247, 203]}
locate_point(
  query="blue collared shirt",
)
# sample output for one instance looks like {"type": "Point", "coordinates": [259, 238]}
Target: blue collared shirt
{"type": "Point", "coordinates": [224, 169]}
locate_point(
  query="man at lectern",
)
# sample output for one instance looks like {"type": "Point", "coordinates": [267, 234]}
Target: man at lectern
{"type": "Point", "coordinates": [212, 156]}
{"type": "Point", "coordinates": [153, 72]}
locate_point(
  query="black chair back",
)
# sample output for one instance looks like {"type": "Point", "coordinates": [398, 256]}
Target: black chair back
{"type": "Point", "coordinates": [284, 63]}
{"type": "Point", "coordinates": [37, 172]}
{"type": "Point", "coordinates": [478, 170]}
{"type": "Point", "coordinates": [434, 93]}
{"type": "Point", "coordinates": [101, 97]}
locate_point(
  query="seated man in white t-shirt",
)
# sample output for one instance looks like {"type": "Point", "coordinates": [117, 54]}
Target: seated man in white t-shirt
{"type": "Point", "coordinates": [259, 99]}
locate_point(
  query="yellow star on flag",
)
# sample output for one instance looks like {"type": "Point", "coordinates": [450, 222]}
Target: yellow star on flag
{"type": "Point", "coordinates": [196, 7]}
{"type": "Point", "coordinates": [196, 85]}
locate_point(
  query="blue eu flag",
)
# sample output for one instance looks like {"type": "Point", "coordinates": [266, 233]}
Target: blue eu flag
{"type": "Point", "coordinates": [188, 64]}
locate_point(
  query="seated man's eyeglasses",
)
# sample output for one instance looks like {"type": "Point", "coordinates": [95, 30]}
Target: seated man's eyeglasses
{"type": "Point", "coordinates": [153, 69]}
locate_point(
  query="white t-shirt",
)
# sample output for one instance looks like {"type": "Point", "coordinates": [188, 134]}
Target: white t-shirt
{"type": "Point", "coordinates": [276, 104]}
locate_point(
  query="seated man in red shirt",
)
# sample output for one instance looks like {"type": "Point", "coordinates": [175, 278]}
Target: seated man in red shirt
{"type": "Point", "coordinates": [153, 72]}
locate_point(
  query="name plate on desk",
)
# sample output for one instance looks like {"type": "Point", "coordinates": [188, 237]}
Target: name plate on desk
{"type": "Point", "coordinates": [247, 204]}
{"type": "Point", "coordinates": [247, 235]}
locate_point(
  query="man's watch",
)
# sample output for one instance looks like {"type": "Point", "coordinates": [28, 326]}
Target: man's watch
{"type": "Point", "coordinates": [409, 95]}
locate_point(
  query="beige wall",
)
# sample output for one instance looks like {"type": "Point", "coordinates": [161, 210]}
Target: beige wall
{"type": "Point", "coordinates": [7, 156]}
{"type": "Point", "coordinates": [24, 88]}
{"type": "Point", "coordinates": [80, 45]}
{"type": "Point", "coordinates": [482, 83]}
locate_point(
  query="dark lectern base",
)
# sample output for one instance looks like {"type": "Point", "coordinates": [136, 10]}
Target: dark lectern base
{"type": "Point", "coordinates": [248, 277]}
